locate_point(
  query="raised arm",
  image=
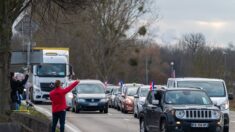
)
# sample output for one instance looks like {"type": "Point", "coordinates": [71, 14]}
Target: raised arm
{"type": "Point", "coordinates": [25, 79]}
{"type": "Point", "coordinates": [70, 87]}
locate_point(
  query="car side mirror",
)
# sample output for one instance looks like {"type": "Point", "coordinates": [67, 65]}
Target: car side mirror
{"type": "Point", "coordinates": [107, 92]}
{"type": "Point", "coordinates": [136, 96]}
{"type": "Point", "coordinates": [155, 102]}
{"type": "Point", "coordinates": [123, 95]}
{"type": "Point", "coordinates": [230, 96]}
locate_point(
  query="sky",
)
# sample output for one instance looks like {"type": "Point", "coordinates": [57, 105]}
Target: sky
{"type": "Point", "coordinates": [213, 18]}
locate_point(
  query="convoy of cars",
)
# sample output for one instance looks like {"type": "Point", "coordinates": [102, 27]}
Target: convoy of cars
{"type": "Point", "coordinates": [184, 104]}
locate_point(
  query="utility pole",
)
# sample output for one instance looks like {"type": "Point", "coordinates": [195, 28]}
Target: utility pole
{"type": "Point", "coordinates": [146, 70]}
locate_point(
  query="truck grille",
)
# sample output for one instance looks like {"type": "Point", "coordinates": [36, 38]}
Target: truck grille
{"type": "Point", "coordinates": [47, 87]}
{"type": "Point", "coordinates": [198, 114]}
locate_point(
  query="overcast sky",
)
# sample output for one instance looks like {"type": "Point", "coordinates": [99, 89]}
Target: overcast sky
{"type": "Point", "coordinates": [214, 18]}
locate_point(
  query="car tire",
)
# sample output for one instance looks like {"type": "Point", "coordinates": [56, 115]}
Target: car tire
{"type": "Point", "coordinates": [106, 110]}
{"type": "Point", "coordinates": [142, 126]}
{"type": "Point", "coordinates": [101, 111]}
{"type": "Point", "coordinates": [73, 110]}
{"type": "Point", "coordinates": [163, 126]}
{"type": "Point", "coordinates": [135, 115]}
{"type": "Point", "coordinates": [226, 129]}
{"type": "Point", "coordinates": [76, 109]}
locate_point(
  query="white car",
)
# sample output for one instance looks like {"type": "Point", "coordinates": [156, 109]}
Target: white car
{"type": "Point", "coordinates": [215, 88]}
{"type": "Point", "coordinates": [140, 97]}
{"type": "Point", "coordinates": [69, 95]}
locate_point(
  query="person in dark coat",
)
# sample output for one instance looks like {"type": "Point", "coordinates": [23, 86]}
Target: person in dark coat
{"type": "Point", "coordinates": [17, 88]}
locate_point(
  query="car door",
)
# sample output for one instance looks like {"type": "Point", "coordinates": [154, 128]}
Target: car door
{"type": "Point", "coordinates": [136, 100]}
{"type": "Point", "coordinates": [157, 111]}
{"type": "Point", "coordinates": [149, 112]}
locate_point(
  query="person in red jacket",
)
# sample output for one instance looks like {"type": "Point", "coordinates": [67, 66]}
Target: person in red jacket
{"type": "Point", "coordinates": [57, 97]}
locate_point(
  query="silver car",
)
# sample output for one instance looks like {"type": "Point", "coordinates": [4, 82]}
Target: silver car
{"type": "Point", "coordinates": [139, 99]}
{"type": "Point", "coordinates": [89, 95]}
{"type": "Point", "coordinates": [69, 95]}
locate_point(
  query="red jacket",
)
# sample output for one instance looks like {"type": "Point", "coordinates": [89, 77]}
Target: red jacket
{"type": "Point", "coordinates": [57, 97]}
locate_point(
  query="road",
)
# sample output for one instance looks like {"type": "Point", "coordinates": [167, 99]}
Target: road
{"type": "Point", "coordinates": [114, 121]}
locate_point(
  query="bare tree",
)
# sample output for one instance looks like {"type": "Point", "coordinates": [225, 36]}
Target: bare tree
{"type": "Point", "coordinates": [193, 41]}
{"type": "Point", "coordinates": [108, 22]}
{"type": "Point", "coordinates": [10, 10]}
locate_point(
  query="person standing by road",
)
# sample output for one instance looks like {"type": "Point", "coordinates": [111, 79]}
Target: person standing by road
{"type": "Point", "coordinates": [17, 86]}
{"type": "Point", "coordinates": [57, 97]}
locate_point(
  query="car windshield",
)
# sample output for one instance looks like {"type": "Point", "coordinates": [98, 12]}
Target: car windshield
{"type": "Point", "coordinates": [182, 97]}
{"type": "Point", "coordinates": [115, 90]}
{"type": "Point", "coordinates": [90, 89]}
{"type": "Point", "coordinates": [213, 88]}
{"type": "Point", "coordinates": [144, 92]}
{"type": "Point", "coordinates": [51, 70]}
{"type": "Point", "coordinates": [131, 91]}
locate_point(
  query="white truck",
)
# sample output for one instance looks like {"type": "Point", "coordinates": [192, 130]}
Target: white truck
{"type": "Point", "coordinates": [55, 66]}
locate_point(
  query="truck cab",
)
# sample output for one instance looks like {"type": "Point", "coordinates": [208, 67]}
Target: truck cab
{"type": "Point", "coordinates": [55, 66]}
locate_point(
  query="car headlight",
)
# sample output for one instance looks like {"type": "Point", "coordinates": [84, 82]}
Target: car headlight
{"type": "Point", "coordinates": [70, 95]}
{"type": "Point", "coordinates": [81, 100]}
{"type": "Point", "coordinates": [104, 100]}
{"type": "Point", "coordinates": [179, 113]}
{"type": "Point", "coordinates": [224, 106]}
{"type": "Point", "coordinates": [215, 114]}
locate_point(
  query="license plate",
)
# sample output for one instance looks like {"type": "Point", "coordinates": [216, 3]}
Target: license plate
{"type": "Point", "coordinates": [199, 125]}
{"type": "Point", "coordinates": [93, 104]}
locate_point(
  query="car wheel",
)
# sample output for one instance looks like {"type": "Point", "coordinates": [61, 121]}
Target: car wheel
{"type": "Point", "coordinates": [106, 110]}
{"type": "Point", "coordinates": [76, 109]}
{"type": "Point", "coordinates": [142, 126]}
{"type": "Point", "coordinates": [226, 129]}
{"type": "Point", "coordinates": [101, 111]}
{"type": "Point", "coordinates": [163, 126]}
{"type": "Point", "coordinates": [73, 110]}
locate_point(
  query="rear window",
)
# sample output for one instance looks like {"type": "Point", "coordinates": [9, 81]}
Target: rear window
{"type": "Point", "coordinates": [213, 88]}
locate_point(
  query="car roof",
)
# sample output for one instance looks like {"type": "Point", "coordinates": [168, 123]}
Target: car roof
{"type": "Point", "coordinates": [179, 89]}
{"type": "Point", "coordinates": [132, 84]}
{"type": "Point", "coordinates": [195, 79]}
{"type": "Point", "coordinates": [90, 81]}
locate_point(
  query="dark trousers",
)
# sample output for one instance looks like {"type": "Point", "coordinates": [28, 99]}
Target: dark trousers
{"type": "Point", "coordinates": [58, 116]}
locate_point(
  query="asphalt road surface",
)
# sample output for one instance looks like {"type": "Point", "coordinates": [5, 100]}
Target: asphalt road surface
{"type": "Point", "coordinates": [114, 121]}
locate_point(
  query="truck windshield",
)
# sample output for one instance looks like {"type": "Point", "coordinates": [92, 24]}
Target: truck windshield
{"type": "Point", "coordinates": [90, 89]}
{"type": "Point", "coordinates": [51, 70]}
{"type": "Point", "coordinates": [213, 88]}
{"type": "Point", "coordinates": [182, 97]}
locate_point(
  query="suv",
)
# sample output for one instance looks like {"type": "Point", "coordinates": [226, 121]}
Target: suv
{"type": "Point", "coordinates": [215, 88]}
{"type": "Point", "coordinates": [89, 95]}
{"type": "Point", "coordinates": [180, 110]}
